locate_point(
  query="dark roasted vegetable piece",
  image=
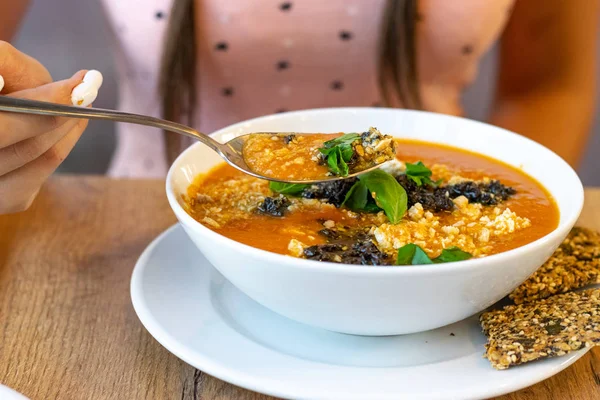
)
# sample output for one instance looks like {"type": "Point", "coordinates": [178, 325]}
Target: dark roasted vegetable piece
{"type": "Point", "coordinates": [488, 194]}
{"type": "Point", "coordinates": [348, 247]}
{"type": "Point", "coordinates": [333, 192]}
{"type": "Point", "coordinates": [363, 252]}
{"type": "Point", "coordinates": [330, 233]}
{"type": "Point", "coordinates": [432, 199]}
{"type": "Point", "coordinates": [274, 206]}
{"type": "Point", "coordinates": [287, 139]}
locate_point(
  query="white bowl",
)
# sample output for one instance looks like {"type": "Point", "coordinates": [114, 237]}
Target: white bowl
{"type": "Point", "coordinates": [367, 300]}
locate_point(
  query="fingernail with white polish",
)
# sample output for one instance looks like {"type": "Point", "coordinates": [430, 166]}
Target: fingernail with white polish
{"type": "Point", "coordinates": [94, 77]}
{"type": "Point", "coordinates": [86, 92]}
{"type": "Point", "coordinates": [1, 83]}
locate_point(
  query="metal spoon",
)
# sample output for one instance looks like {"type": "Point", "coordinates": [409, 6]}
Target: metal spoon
{"type": "Point", "coordinates": [232, 151]}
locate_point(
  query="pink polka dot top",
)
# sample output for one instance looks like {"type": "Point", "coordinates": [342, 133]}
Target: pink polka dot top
{"type": "Point", "coordinates": [263, 57]}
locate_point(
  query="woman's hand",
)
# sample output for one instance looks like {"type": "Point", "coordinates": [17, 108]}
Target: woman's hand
{"type": "Point", "coordinates": [31, 146]}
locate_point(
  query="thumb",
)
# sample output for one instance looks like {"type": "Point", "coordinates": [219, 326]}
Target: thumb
{"type": "Point", "coordinates": [80, 90]}
{"type": "Point", "coordinates": [55, 92]}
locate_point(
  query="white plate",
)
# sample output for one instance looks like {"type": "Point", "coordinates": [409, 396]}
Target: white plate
{"type": "Point", "coordinates": [204, 320]}
{"type": "Point", "coordinates": [7, 393]}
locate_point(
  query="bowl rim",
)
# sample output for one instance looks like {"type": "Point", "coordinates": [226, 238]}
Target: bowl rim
{"type": "Point", "coordinates": [294, 262]}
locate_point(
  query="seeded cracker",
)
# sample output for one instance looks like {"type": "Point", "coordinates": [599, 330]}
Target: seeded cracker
{"type": "Point", "coordinates": [545, 328]}
{"type": "Point", "coordinates": [575, 264]}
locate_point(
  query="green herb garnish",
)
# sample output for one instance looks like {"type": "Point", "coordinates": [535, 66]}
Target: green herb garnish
{"type": "Point", "coordinates": [452, 254]}
{"type": "Point", "coordinates": [344, 140]}
{"type": "Point", "coordinates": [420, 174]}
{"type": "Point", "coordinates": [338, 152]}
{"type": "Point", "coordinates": [357, 197]}
{"type": "Point", "coordinates": [287, 188]}
{"type": "Point", "coordinates": [411, 254]}
{"type": "Point", "coordinates": [378, 190]}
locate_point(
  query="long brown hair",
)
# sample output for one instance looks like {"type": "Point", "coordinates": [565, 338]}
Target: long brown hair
{"type": "Point", "coordinates": [397, 63]}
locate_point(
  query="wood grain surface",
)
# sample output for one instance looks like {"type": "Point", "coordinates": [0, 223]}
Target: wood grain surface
{"type": "Point", "coordinates": [67, 326]}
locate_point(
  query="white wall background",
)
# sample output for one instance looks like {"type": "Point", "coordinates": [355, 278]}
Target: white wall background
{"type": "Point", "coordinates": [68, 35]}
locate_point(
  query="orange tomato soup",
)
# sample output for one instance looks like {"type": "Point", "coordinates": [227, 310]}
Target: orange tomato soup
{"type": "Point", "coordinates": [225, 200]}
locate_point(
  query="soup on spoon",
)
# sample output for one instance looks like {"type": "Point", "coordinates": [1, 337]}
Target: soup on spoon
{"type": "Point", "coordinates": [316, 156]}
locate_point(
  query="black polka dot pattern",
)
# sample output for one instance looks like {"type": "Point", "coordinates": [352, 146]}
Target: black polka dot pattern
{"type": "Point", "coordinates": [281, 65]}
{"type": "Point", "coordinates": [285, 6]}
{"type": "Point", "coordinates": [337, 85]}
{"type": "Point", "coordinates": [345, 35]}
{"type": "Point", "coordinates": [467, 49]}
{"type": "Point", "coordinates": [159, 15]}
{"type": "Point", "coordinates": [221, 46]}
{"type": "Point", "coordinates": [227, 92]}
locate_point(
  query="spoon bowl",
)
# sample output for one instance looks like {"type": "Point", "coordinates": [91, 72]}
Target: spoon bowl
{"type": "Point", "coordinates": [231, 151]}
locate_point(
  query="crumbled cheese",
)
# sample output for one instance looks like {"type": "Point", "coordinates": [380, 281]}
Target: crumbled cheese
{"type": "Point", "coordinates": [484, 235]}
{"type": "Point", "coordinates": [296, 248]}
{"type": "Point", "coordinates": [450, 230]}
{"type": "Point", "coordinates": [461, 202]}
{"type": "Point", "coordinates": [416, 212]}
{"type": "Point", "coordinates": [203, 198]}
{"type": "Point", "coordinates": [471, 228]}
{"type": "Point", "coordinates": [393, 167]}
{"type": "Point", "coordinates": [456, 179]}
{"type": "Point", "coordinates": [329, 224]}
{"type": "Point", "coordinates": [211, 222]}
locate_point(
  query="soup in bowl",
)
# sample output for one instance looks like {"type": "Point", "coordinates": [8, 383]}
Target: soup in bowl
{"type": "Point", "coordinates": [464, 214]}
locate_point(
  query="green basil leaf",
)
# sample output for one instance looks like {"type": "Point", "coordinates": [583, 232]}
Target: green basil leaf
{"type": "Point", "coordinates": [347, 152]}
{"type": "Point", "coordinates": [342, 165]}
{"type": "Point", "coordinates": [332, 161]}
{"type": "Point", "coordinates": [411, 254]}
{"type": "Point", "coordinates": [418, 169]}
{"type": "Point", "coordinates": [389, 194]}
{"type": "Point", "coordinates": [325, 151]}
{"type": "Point", "coordinates": [421, 257]}
{"type": "Point", "coordinates": [287, 188]}
{"type": "Point", "coordinates": [346, 139]}
{"type": "Point", "coordinates": [356, 198]}
{"type": "Point", "coordinates": [338, 152]}
{"type": "Point", "coordinates": [416, 179]}
{"type": "Point", "coordinates": [371, 206]}
{"type": "Point", "coordinates": [406, 254]}
{"type": "Point", "coordinates": [420, 174]}
{"type": "Point", "coordinates": [335, 161]}
{"type": "Point", "coordinates": [452, 254]}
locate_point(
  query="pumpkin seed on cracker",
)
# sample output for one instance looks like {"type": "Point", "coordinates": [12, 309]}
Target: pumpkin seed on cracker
{"type": "Point", "coordinates": [545, 328]}
{"type": "Point", "coordinates": [575, 264]}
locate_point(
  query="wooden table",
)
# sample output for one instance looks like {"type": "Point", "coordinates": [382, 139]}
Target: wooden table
{"type": "Point", "coordinates": [67, 326]}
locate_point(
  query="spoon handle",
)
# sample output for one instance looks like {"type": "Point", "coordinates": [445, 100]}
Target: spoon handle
{"type": "Point", "coordinates": [25, 106]}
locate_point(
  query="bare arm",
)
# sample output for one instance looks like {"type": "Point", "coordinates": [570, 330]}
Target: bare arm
{"type": "Point", "coordinates": [11, 14]}
{"type": "Point", "coordinates": [547, 80]}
